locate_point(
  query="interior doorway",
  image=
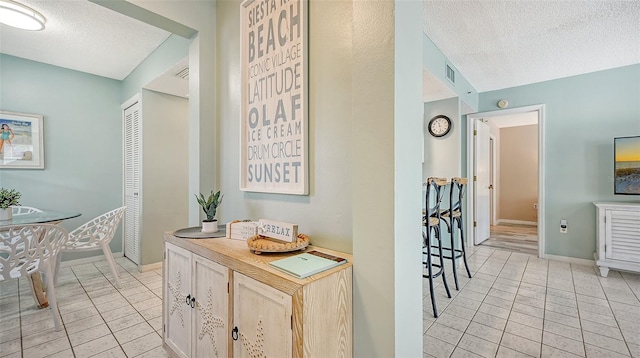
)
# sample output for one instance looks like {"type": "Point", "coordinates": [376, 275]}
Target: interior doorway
{"type": "Point", "coordinates": [506, 199]}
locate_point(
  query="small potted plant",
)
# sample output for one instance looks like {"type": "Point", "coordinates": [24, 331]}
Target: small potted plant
{"type": "Point", "coordinates": [210, 206]}
{"type": "Point", "coordinates": [8, 198]}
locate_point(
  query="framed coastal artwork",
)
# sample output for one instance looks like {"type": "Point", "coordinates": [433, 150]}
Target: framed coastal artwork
{"type": "Point", "coordinates": [274, 87]}
{"type": "Point", "coordinates": [21, 141]}
{"type": "Point", "coordinates": [627, 165]}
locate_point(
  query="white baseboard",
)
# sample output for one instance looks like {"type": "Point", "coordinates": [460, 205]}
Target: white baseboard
{"type": "Point", "coordinates": [88, 260]}
{"type": "Point", "coordinates": [151, 267]}
{"type": "Point", "coordinates": [519, 222]}
{"type": "Point", "coordinates": [571, 260]}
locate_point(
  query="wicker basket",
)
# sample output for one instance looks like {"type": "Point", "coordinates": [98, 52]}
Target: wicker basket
{"type": "Point", "coordinates": [259, 244]}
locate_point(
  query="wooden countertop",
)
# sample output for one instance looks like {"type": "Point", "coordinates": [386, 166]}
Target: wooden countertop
{"type": "Point", "coordinates": [235, 255]}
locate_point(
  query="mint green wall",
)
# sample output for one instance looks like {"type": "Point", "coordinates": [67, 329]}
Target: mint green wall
{"type": "Point", "coordinates": [172, 51]}
{"type": "Point", "coordinates": [582, 116]}
{"type": "Point", "coordinates": [82, 139]}
{"type": "Point", "coordinates": [434, 61]}
{"type": "Point", "coordinates": [83, 133]}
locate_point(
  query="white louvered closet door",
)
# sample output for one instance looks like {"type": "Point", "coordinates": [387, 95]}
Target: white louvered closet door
{"type": "Point", "coordinates": [132, 182]}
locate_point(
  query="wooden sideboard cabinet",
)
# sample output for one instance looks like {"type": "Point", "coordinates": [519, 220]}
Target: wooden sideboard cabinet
{"type": "Point", "coordinates": [618, 230]}
{"type": "Point", "coordinates": [194, 327]}
{"type": "Point", "coordinates": [221, 300]}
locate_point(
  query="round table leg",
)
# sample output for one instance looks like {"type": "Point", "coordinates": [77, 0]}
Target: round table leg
{"type": "Point", "coordinates": [38, 290]}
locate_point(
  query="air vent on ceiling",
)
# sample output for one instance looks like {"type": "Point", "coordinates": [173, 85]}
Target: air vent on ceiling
{"type": "Point", "coordinates": [451, 74]}
{"type": "Point", "coordinates": [183, 73]}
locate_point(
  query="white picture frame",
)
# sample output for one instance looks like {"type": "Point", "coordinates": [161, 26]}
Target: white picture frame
{"type": "Point", "coordinates": [274, 87]}
{"type": "Point", "coordinates": [21, 141]}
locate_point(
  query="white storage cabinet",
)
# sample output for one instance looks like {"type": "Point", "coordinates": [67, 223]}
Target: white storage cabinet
{"type": "Point", "coordinates": [196, 292]}
{"type": "Point", "coordinates": [618, 230]}
{"type": "Point", "coordinates": [221, 300]}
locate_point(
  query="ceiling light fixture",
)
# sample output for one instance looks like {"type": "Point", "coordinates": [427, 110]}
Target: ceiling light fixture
{"type": "Point", "coordinates": [20, 16]}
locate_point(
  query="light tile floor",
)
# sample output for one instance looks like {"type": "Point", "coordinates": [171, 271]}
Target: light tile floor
{"type": "Point", "coordinates": [99, 320]}
{"type": "Point", "coordinates": [517, 305]}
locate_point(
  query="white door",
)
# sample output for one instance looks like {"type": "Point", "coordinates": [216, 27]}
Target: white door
{"type": "Point", "coordinates": [262, 316]}
{"type": "Point", "coordinates": [132, 182]}
{"type": "Point", "coordinates": [177, 313]}
{"type": "Point", "coordinates": [482, 192]}
{"type": "Point", "coordinates": [211, 322]}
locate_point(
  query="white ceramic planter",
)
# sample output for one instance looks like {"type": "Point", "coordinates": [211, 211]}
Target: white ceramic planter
{"type": "Point", "coordinates": [210, 226]}
{"type": "Point", "coordinates": [6, 214]}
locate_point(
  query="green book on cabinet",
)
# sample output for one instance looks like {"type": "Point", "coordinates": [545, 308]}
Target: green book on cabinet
{"type": "Point", "coordinates": [307, 264]}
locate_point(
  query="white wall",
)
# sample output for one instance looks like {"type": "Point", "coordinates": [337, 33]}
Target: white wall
{"type": "Point", "coordinates": [442, 156]}
{"type": "Point", "coordinates": [165, 190]}
{"type": "Point", "coordinates": [326, 213]}
{"type": "Point", "coordinates": [364, 152]}
{"type": "Point", "coordinates": [203, 148]}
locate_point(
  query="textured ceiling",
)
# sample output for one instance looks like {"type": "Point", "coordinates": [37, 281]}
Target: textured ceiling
{"type": "Point", "coordinates": [501, 44]}
{"type": "Point", "coordinates": [495, 44]}
{"type": "Point", "coordinates": [83, 36]}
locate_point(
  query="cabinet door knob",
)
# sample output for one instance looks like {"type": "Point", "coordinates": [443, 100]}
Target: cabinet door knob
{"type": "Point", "coordinates": [188, 300]}
{"type": "Point", "coordinates": [193, 302]}
{"type": "Point", "coordinates": [234, 333]}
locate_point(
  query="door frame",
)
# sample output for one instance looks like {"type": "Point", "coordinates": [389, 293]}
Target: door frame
{"type": "Point", "coordinates": [471, 118]}
{"type": "Point", "coordinates": [494, 174]}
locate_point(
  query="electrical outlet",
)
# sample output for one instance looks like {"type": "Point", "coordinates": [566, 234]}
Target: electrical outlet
{"type": "Point", "coordinates": [563, 227]}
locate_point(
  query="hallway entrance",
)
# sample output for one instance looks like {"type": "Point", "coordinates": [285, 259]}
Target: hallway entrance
{"type": "Point", "coordinates": [507, 166]}
{"type": "Point", "coordinates": [513, 237]}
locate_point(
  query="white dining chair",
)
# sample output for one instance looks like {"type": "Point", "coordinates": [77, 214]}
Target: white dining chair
{"type": "Point", "coordinates": [96, 235]}
{"type": "Point", "coordinates": [27, 249]}
{"type": "Point", "coordinates": [22, 210]}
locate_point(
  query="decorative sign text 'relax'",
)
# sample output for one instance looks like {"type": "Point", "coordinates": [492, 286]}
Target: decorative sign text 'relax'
{"type": "Point", "coordinates": [278, 230]}
{"type": "Point", "coordinates": [274, 90]}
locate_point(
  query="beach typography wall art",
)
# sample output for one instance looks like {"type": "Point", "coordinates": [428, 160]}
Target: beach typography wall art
{"type": "Point", "coordinates": [274, 116]}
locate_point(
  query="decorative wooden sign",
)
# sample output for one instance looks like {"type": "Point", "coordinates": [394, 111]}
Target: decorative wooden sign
{"type": "Point", "coordinates": [278, 230]}
{"type": "Point", "coordinates": [242, 230]}
{"type": "Point", "coordinates": [274, 115]}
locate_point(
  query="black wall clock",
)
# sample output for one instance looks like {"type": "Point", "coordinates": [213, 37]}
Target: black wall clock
{"type": "Point", "coordinates": [439, 126]}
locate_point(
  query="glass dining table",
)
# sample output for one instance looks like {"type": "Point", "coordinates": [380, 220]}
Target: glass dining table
{"type": "Point", "coordinates": [44, 217]}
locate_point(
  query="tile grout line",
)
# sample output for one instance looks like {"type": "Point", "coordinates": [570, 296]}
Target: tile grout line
{"type": "Point", "coordinates": [448, 305]}
{"type": "Point", "coordinates": [575, 296]}
{"type": "Point", "coordinates": [624, 340]}
{"type": "Point", "coordinates": [100, 313]}
{"type": "Point", "coordinates": [511, 310]}
{"type": "Point", "coordinates": [89, 297]}
{"type": "Point", "coordinates": [128, 302]}
{"type": "Point", "coordinates": [492, 283]}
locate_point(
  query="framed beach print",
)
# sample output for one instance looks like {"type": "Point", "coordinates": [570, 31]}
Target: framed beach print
{"type": "Point", "coordinates": [273, 111]}
{"type": "Point", "coordinates": [627, 165]}
{"type": "Point", "coordinates": [21, 142]}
